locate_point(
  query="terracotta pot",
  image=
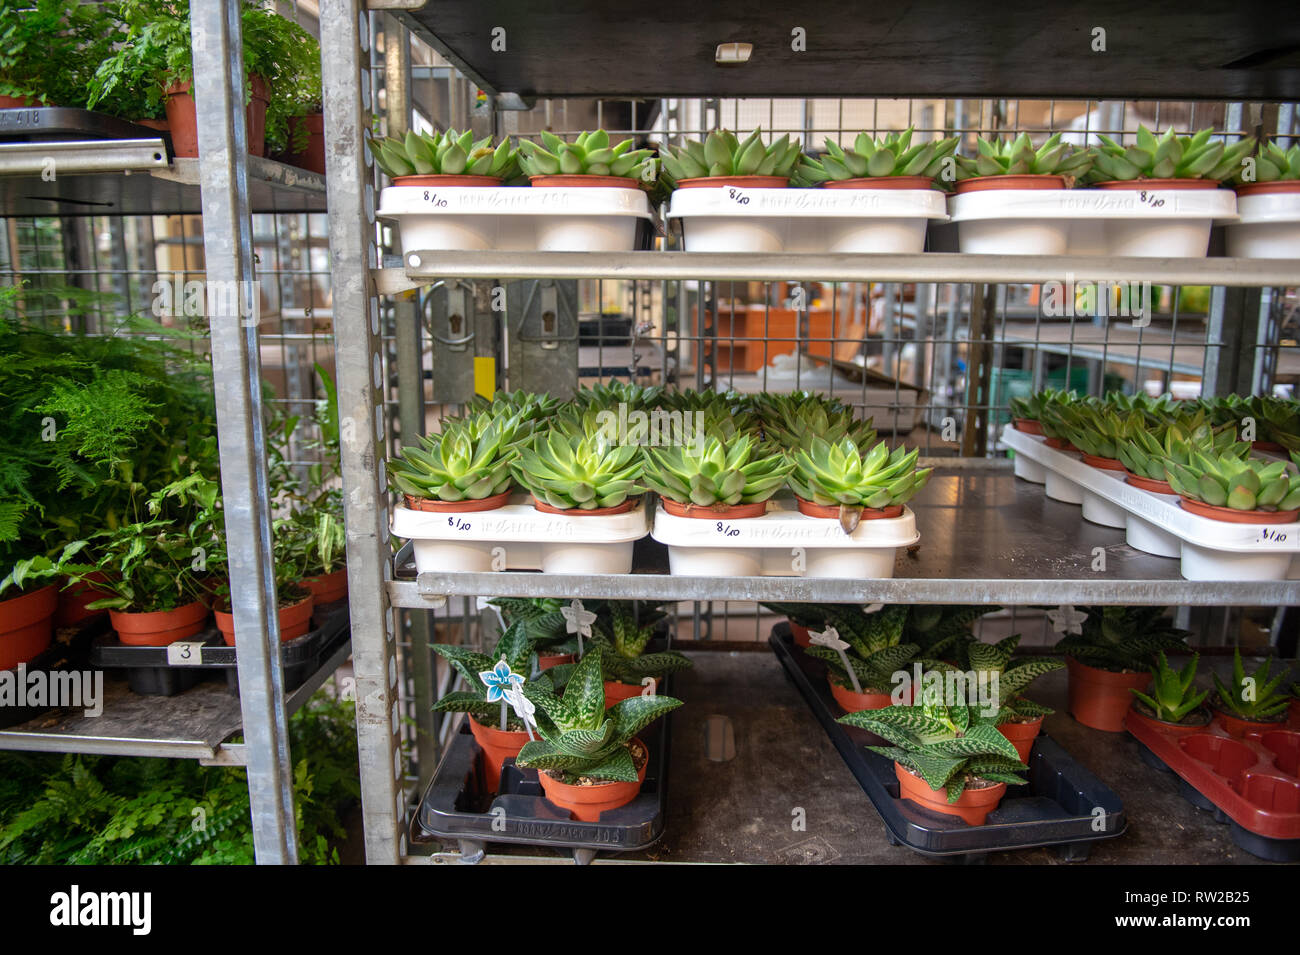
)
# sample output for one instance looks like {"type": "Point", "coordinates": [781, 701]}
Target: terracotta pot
{"type": "Point", "coordinates": [985, 183]}
{"type": "Point", "coordinates": [1060, 444]}
{"type": "Point", "coordinates": [1267, 188]}
{"type": "Point", "coordinates": [446, 179]}
{"type": "Point", "coordinates": [802, 638]}
{"type": "Point", "coordinates": [547, 660]}
{"type": "Point", "coordinates": [19, 102]}
{"type": "Point", "coordinates": [1230, 515]}
{"type": "Point", "coordinates": [1148, 184]}
{"type": "Point", "coordinates": [852, 702]}
{"type": "Point", "coordinates": [973, 807]}
{"type": "Point", "coordinates": [27, 625]}
{"type": "Point", "coordinates": [833, 510]}
{"type": "Point", "coordinates": [156, 124]}
{"type": "Point", "coordinates": [1101, 698]}
{"type": "Point", "coordinates": [562, 181]}
{"type": "Point", "coordinates": [1105, 464]}
{"type": "Point", "coordinates": [312, 158]}
{"type": "Point", "coordinates": [457, 507]}
{"type": "Point", "coordinates": [182, 119]}
{"type": "Point", "coordinates": [1028, 426]}
{"type": "Point", "coordinates": [882, 182]}
{"type": "Point", "coordinates": [72, 601]}
{"type": "Point", "coordinates": [579, 512]}
{"type": "Point", "coordinates": [1272, 446]}
{"type": "Point", "coordinates": [497, 746]}
{"type": "Point", "coordinates": [159, 628]}
{"type": "Point", "coordinates": [714, 512]}
{"type": "Point", "coordinates": [1022, 735]}
{"type": "Point", "coordinates": [588, 802]}
{"type": "Point", "coordinates": [1135, 715]}
{"type": "Point", "coordinates": [616, 692]}
{"type": "Point", "coordinates": [328, 588]}
{"type": "Point", "coordinates": [743, 182]}
{"type": "Point", "coordinates": [1237, 727]}
{"type": "Point", "coordinates": [1148, 484]}
{"type": "Point", "coordinates": [295, 620]}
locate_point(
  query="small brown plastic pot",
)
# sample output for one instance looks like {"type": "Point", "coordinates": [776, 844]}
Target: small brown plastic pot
{"type": "Point", "coordinates": [27, 625]}
{"type": "Point", "coordinates": [498, 746]}
{"type": "Point", "coordinates": [1022, 735]}
{"type": "Point", "coordinates": [295, 620]}
{"type": "Point", "coordinates": [1101, 698]}
{"type": "Point", "coordinates": [312, 157]}
{"type": "Point", "coordinates": [1103, 464]}
{"type": "Point", "coordinates": [72, 600]}
{"type": "Point", "coordinates": [1230, 515]}
{"type": "Point", "coordinates": [183, 121]}
{"type": "Point", "coordinates": [1268, 188]}
{"type": "Point", "coordinates": [586, 803]}
{"type": "Point", "coordinates": [973, 806]}
{"type": "Point", "coordinates": [852, 702]}
{"type": "Point", "coordinates": [446, 179]}
{"type": "Point", "coordinates": [812, 509]}
{"type": "Point", "coordinates": [159, 628]}
{"type": "Point", "coordinates": [617, 692]}
{"type": "Point", "coordinates": [579, 512]}
{"type": "Point", "coordinates": [457, 507]}
{"type": "Point", "coordinates": [714, 512]}
{"type": "Point", "coordinates": [328, 588]}
{"type": "Point", "coordinates": [564, 181]}
{"type": "Point", "coordinates": [741, 182]}
{"type": "Point", "coordinates": [1237, 727]}
{"type": "Point", "coordinates": [1028, 426]}
{"type": "Point", "coordinates": [1030, 181]}
{"type": "Point", "coordinates": [1148, 484]}
{"type": "Point", "coordinates": [882, 182]}
{"type": "Point", "coordinates": [1119, 185]}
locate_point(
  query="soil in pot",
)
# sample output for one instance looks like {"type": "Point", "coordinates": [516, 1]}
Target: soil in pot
{"type": "Point", "coordinates": [1230, 515]}
{"type": "Point", "coordinates": [498, 746]}
{"type": "Point", "coordinates": [978, 800]}
{"type": "Point", "coordinates": [1148, 484]}
{"type": "Point", "coordinates": [562, 181]}
{"type": "Point", "coordinates": [446, 179]}
{"type": "Point", "coordinates": [1193, 722]}
{"type": "Point", "coordinates": [587, 798]}
{"type": "Point", "coordinates": [832, 511]}
{"type": "Point", "coordinates": [1021, 734]}
{"type": "Point", "coordinates": [1028, 426]}
{"type": "Point", "coordinates": [852, 702]}
{"type": "Point", "coordinates": [742, 182]}
{"type": "Point", "coordinates": [328, 588]}
{"type": "Point", "coordinates": [182, 118]}
{"type": "Point", "coordinates": [457, 507]}
{"type": "Point", "coordinates": [579, 512]}
{"type": "Point", "coordinates": [159, 628]}
{"type": "Point", "coordinates": [295, 620]}
{"type": "Point", "coordinates": [1034, 181]}
{"type": "Point", "coordinates": [1101, 698]}
{"type": "Point", "coordinates": [27, 625]}
{"type": "Point", "coordinates": [1237, 727]}
{"type": "Point", "coordinates": [616, 691]}
{"type": "Point", "coordinates": [714, 512]}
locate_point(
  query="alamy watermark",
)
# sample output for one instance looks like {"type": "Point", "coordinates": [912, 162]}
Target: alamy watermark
{"type": "Point", "coordinates": [656, 429]}
{"type": "Point", "coordinates": [1105, 298]}
{"type": "Point", "coordinates": [175, 297]}
{"type": "Point", "coordinates": [46, 689]}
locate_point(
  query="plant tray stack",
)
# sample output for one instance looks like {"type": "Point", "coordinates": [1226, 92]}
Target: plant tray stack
{"type": "Point", "coordinates": [1056, 808]}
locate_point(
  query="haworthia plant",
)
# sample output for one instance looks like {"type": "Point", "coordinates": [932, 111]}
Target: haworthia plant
{"type": "Point", "coordinates": [1013, 677]}
{"type": "Point", "coordinates": [1172, 694]}
{"type": "Point", "coordinates": [1122, 638]}
{"type": "Point", "coordinates": [515, 647]}
{"type": "Point", "coordinates": [876, 647]}
{"type": "Point", "coordinates": [1254, 697]}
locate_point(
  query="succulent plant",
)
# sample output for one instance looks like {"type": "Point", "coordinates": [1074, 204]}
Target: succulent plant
{"type": "Point", "coordinates": [842, 474]}
{"type": "Point", "coordinates": [723, 413]}
{"type": "Point", "coordinates": [576, 465]}
{"type": "Point", "coordinates": [1012, 677]}
{"type": "Point", "coordinates": [580, 738]}
{"type": "Point", "coordinates": [721, 154]}
{"type": "Point", "coordinates": [515, 647]}
{"type": "Point", "coordinates": [1168, 157]}
{"type": "Point", "coordinates": [943, 631]}
{"type": "Point", "coordinates": [1031, 408]}
{"type": "Point", "coordinates": [1253, 697]}
{"type": "Point", "coordinates": [718, 472]}
{"type": "Point", "coordinates": [876, 647]}
{"type": "Point", "coordinates": [622, 630]}
{"type": "Point", "coordinates": [894, 155]}
{"type": "Point", "coordinates": [1172, 692]}
{"type": "Point", "coordinates": [588, 155]}
{"type": "Point", "coordinates": [541, 619]}
{"type": "Point", "coordinates": [947, 746]}
{"type": "Point", "coordinates": [1268, 418]}
{"type": "Point", "coordinates": [1146, 449]}
{"type": "Point", "coordinates": [793, 420]}
{"type": "Point", "coordinates": [1273, 164]}
{"type": "Point", "coordinates": [603, 396]}
{"type": "Point", "coordinates": [1090, 426]}
{"type": "Point", "coordinates": [449, 153]}
{"type": "Point", "coordinates": [1018, 157]}
{"type": "Point", "coordinates": [528, 405]}
{"type": "Point", "coordinates": [468, 460]}
{"type": "Point", "coordinates": [1122, 638]}
{"type": "Point", "coordinates": [1243, 484]}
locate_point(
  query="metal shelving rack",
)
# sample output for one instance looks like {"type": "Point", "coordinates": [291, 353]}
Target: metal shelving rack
{"type": "Point", "coordinates": [1045, 550]}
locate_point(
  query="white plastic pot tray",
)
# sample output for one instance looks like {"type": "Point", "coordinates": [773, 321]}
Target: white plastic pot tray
{"type": "Point", "coordinates": [782, 543]}
{"type": "Point", "coordinates": [732, 219]}
{"type": "Point", "coordinates": [1163, 222]}
{"type": "Point", "coordinates": [514, 219]}
{"type": "Point", "coordinates": [1156, 524]}
{"type": "Point", "coordinates": [1267, 227]}
{"type": "Point", "coordinates": [520, 537]}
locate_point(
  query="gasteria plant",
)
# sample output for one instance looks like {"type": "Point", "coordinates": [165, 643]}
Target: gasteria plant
{"type": "Point", "coordinates": [1168, 157]}
{"type": "Point", "coordinates": [576, 465]}
{"type": "Point", "coordinates": [1172, 692]}
{"type": "Point", "coordinates": [1256, 697]}
{"type": "Point", "coordinates": [722, 154]}
{"type": "Point", "coordinates": [589, 155]}
{"type": "Point", "coordinates": [876, 647]}
{"type": "Point", "coordinates": [468, 460]}
{"type": "Point", "coordinates": [1273, 164]}
{"type": "Point", "coordinates": [1243, 484]}
{"type": "Point", "coordinates": [943, 631]}
{"type": "Point", "coordinates": [717, 472]}
{"type": "Point", "coordinates": [831, 474]}
{"type": "Point", "coordinates": [450, 153]}
{"type": "Point", "coordinates": [1018, 157]}
{"type": "Point", "coordinates": [1122, 638]}
{"type": "Point", "coordinates": [894, 155]}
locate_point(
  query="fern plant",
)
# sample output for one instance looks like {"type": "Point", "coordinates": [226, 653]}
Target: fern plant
{"type": "Point", "coordinates": [1255, 697]}
{"type": "Point", "coordinates": [1122, 638]}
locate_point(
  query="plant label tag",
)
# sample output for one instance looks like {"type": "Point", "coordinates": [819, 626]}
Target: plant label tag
{"type": "Point", "coordinates": [185, 653]}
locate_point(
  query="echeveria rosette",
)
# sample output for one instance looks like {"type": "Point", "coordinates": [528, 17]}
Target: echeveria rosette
{"type": "Point", "coordinates": [1243, 484]}
{"type": "Point", "coordinates": [736, 471]}
{"type": "Point", "coordinates": [579, 470]}
{"type": "Point", "coordinates": [1272, 164]}
{"type": "Point", "coordinates": [1018, 157]}
{"type": "Point", "coordinates": [794, 420]}
{"type": "Point", "coordinates": [580, 738]}
{"type": "Point", "coordinates": [1147, 449]}
{"type": "Point", "coordinates": [1169, 156]}
{"type": "Point", "coordinates": [529, 406]}
{"type": "Point", "coordinates": [589, 155]}
{"type": "Point", "coordinates": [608, 396]}
{"type": "Point", "coordinates": [1270, 418]}
{"type": "Point", "coordinates": [467, 461]}
{"type": "Point", "coordinates": [947, 746]}
{"type": "Point", "coordinates": [831, 474]}
{"type": "Point", "coordinates": [1172, 693]}
{"type": "Point", "coordinates": [448, 154]}
{"type": "Point", "coordinates": [1090, 426]}
{"type": "Point", "coordinates": [722, 154]}
{"type": "Point", "coordinates": [1255, 697]}
{"type": "Point", "coordinates": [892, 155]}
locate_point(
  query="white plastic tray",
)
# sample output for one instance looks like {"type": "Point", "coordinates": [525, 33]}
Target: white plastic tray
{"type": "Point", "coordinates": [520, 537]}
{"type": "Point", "coordinates": [1268, 227]}
{"type": "Point", "coordinates": [514, 219]}
{"type": "Point", "coordinates": [783, 543]}
{"type": "Point", "coordinates": [1155, 523]}
{"type": "Point", "coordinates": [734, 219]}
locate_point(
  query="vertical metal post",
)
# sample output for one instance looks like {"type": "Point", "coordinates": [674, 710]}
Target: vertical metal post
{"type": "Point", "coordinates": [236, 369]}
{"type": "Point", "coordinates": [345, 41]}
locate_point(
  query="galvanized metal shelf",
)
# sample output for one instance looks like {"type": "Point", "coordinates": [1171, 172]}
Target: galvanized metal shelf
{"type": "Point", "coordinates": [424, 268]}
{"type": "Point", "coordinates": [986, 537]}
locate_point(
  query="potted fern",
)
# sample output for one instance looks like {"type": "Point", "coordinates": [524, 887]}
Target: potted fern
{"type": "Point", "coordinates": [1108, 651]}
{"type": "Point", "coordinates": [862, 675]}
{"type": "Point", "coordinates": [29, 597]}
{"type": "Point", "coordinates": [589, 760]}
{"type": "Point", "coordinates": [1254, 703]}
{"type": "Point", "coordinates": [1019, 719]}
{"type": "Point", "coordinates": [1172, 699]}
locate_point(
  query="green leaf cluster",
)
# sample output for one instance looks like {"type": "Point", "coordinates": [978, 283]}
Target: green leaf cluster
{"type": "Point", "coordinates": [722, 154]}
{"type": "Point", "coordinates": [449, 153]}
{"type": "Point", "coordinates": [590, 154]}
{"type": "Point", "coordinates": [1169, 156]}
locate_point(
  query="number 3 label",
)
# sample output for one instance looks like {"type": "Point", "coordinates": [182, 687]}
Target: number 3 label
{"type": "Point", "coordinates": [185, 653]}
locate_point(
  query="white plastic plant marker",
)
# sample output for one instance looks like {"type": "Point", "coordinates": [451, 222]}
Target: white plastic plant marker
{"type": "Point", "coordinates": [735, 219]}
{"type": "Point", "coordinates": [1207, 549]}
{"type": "Point", "coordinates": [1066, 620]}
{"type": "Point", "coordinates": [1267, 227]}
{"type": "Point", "coordinates": [524, 708]}
{"type": "Point", "coordinates": [830, 637]}
{"type": "Point", "coordinates": [514, 219]}
{"type": "Point", "coordinates": [783, 543]}
{"type": "Point", "coordinates": [578, 620]}
{"type": "Point", "coordinates": [520, 537]}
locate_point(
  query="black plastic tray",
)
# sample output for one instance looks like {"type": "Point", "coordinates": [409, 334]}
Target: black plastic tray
{"type": "Point", "coordinates": [457, 807]}
{"type": "Point", "coordinates": [149, 674]}
{"type": "Point", "coordinates": [40, 123]}
{"type": "Point", "coordinates": [1056, 808]}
